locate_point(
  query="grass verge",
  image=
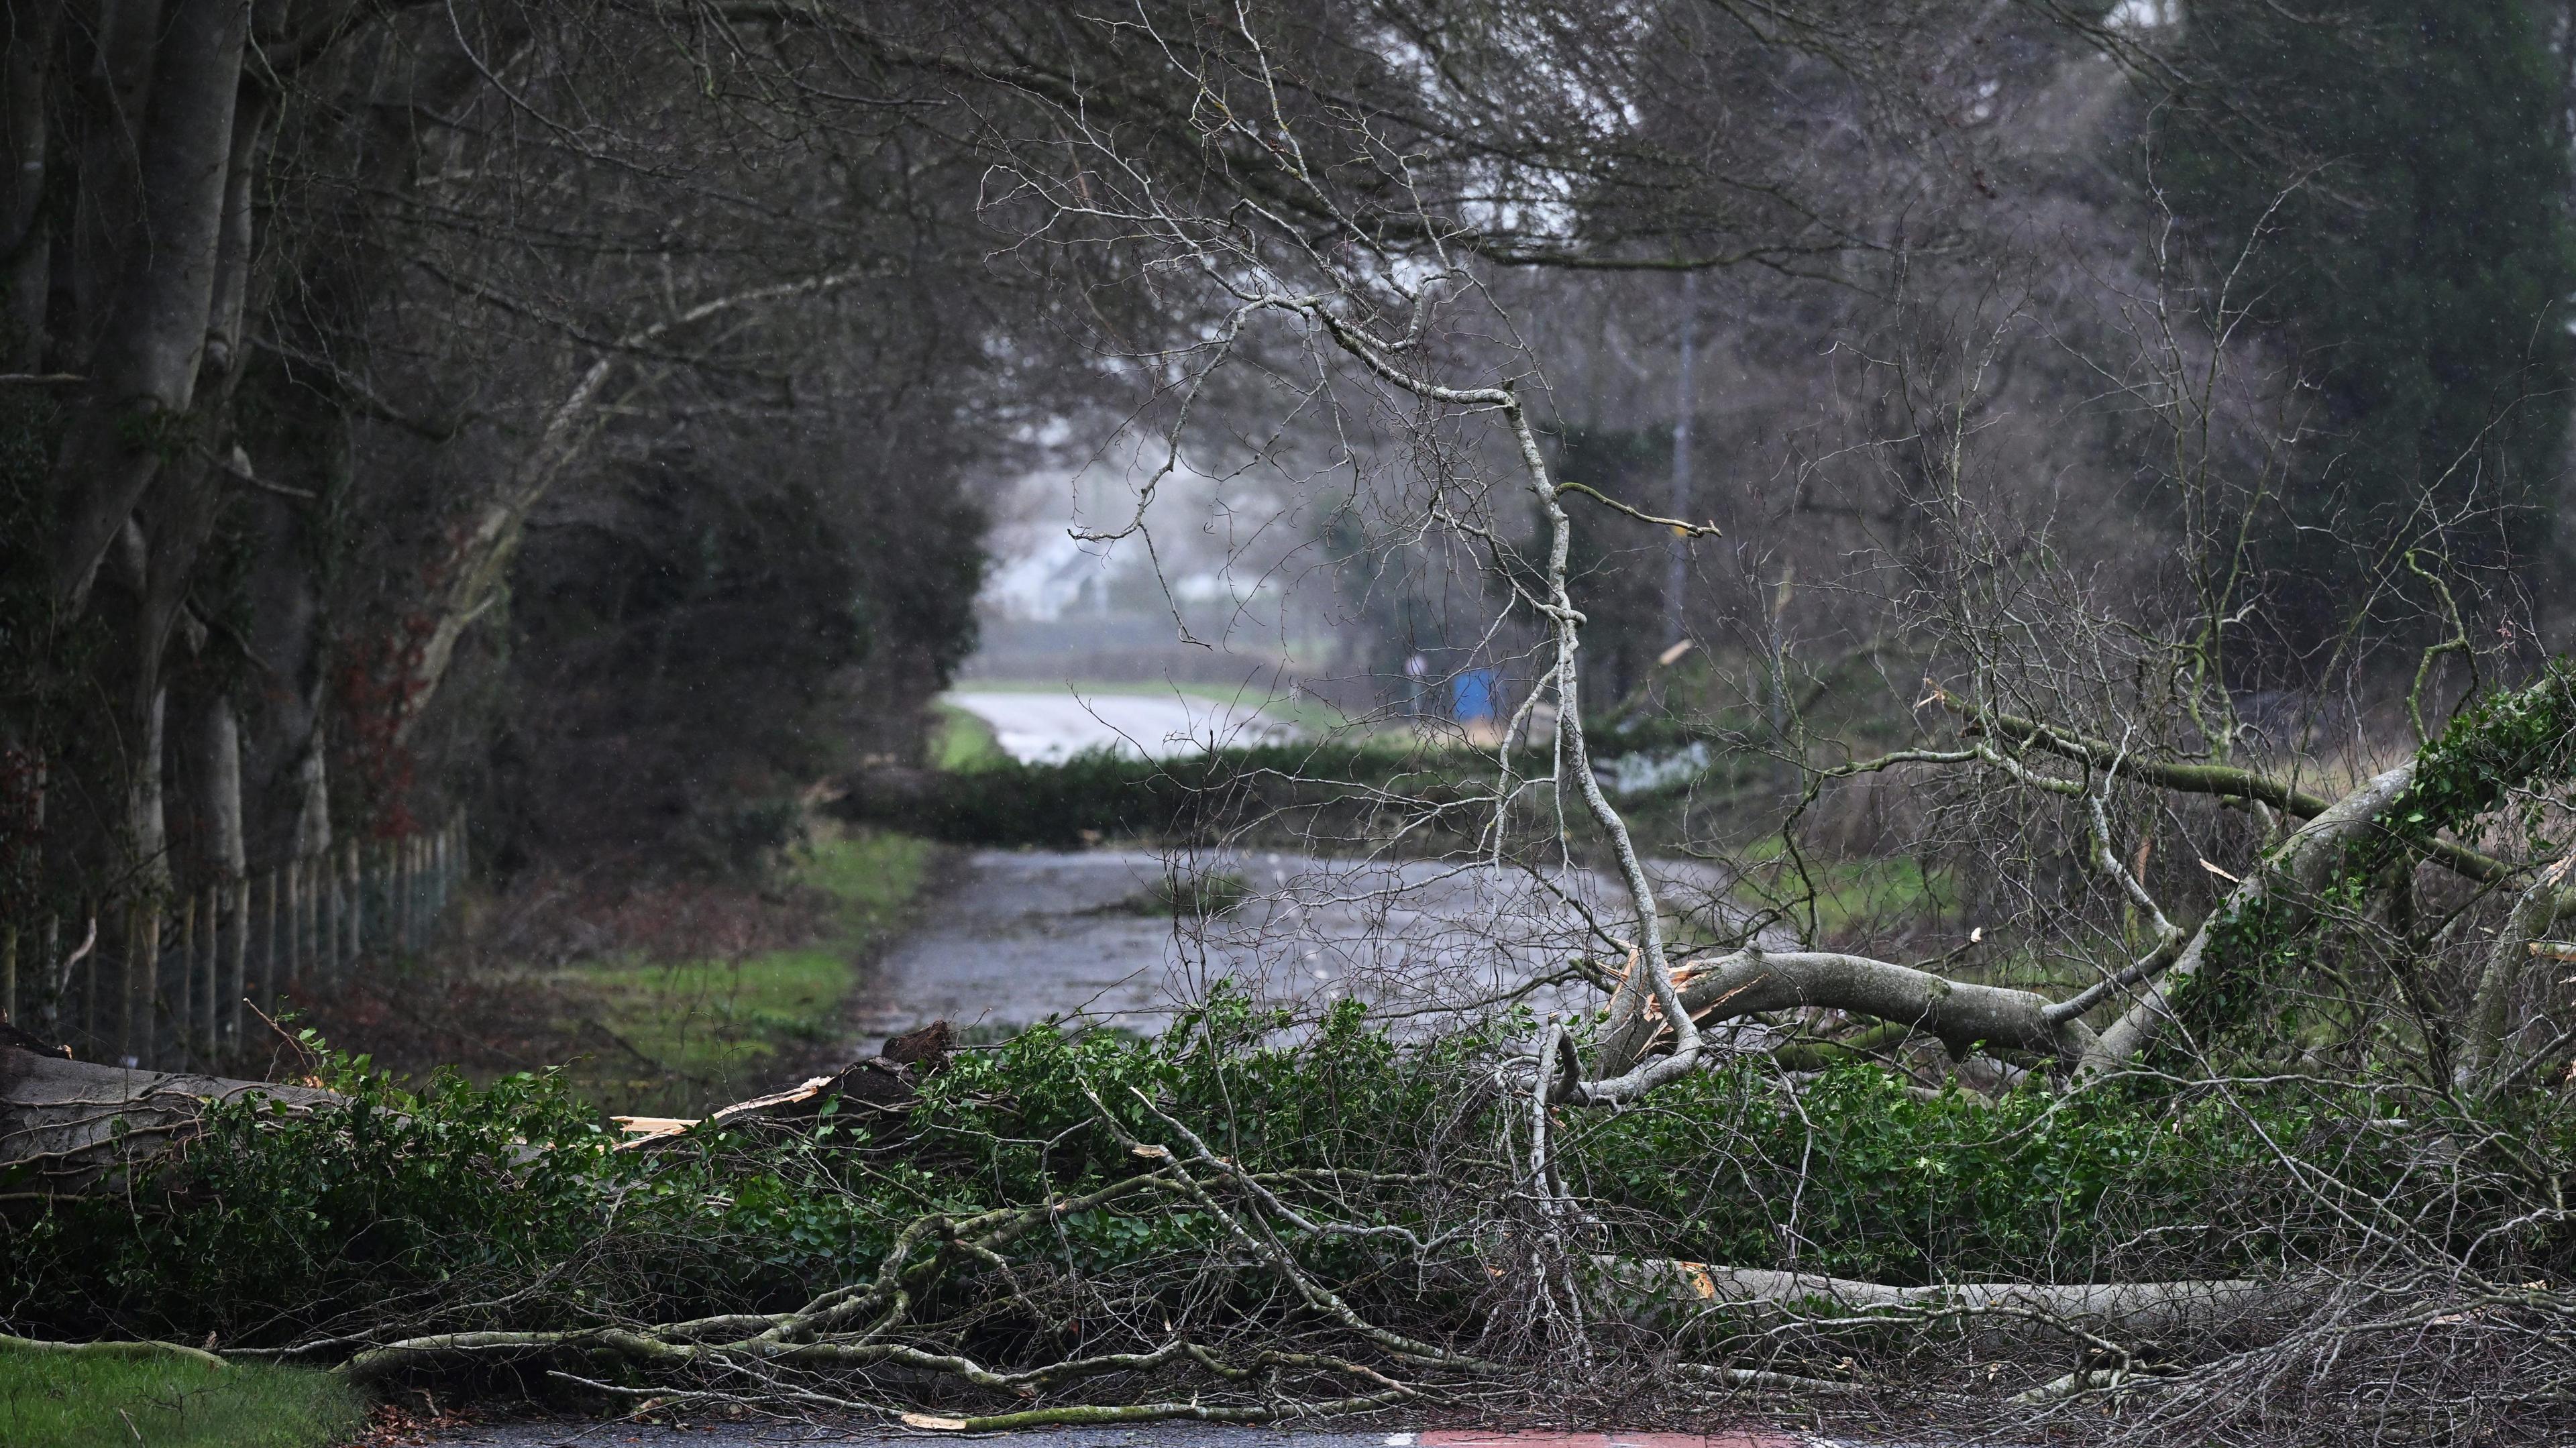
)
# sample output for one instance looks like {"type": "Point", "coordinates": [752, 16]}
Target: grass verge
{"type": "Point", "coordinates": [961, 742]}
{"type": "Point", "coordinates": [693, 1032]}
{"type": "Point", "coordinates": [52, 1401]}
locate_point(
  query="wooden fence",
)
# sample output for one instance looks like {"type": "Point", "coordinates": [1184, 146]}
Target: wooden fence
{"type": "Point", "coordinates": [169, 983]}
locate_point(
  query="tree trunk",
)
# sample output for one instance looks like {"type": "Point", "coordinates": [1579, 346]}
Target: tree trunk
{"type": "Point", "coordinates": [144, 373]}
{"type": "Point", "coordinates": [69, 1127]}
{"type": "Point", "coordinates": [2511, 962]}
{"type": "Point", "coordinates": [26, 247]}
{"type": "Point", "coordinates": [114, 66]}
{"type": "Point", "coordinates": [469, 579]}
{"type": "Point", "coordinates": [1960, 1014]}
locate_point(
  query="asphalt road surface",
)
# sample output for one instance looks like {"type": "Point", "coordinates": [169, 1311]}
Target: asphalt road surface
{"type": "Point", "coordinates": [1036, 726]}
{"type": "Point", "coordinates": [1028, 935]}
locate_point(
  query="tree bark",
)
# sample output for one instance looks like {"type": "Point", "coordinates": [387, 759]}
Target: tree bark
{"type": "Point", "coordinates": [144, 373]}
{"type": "Point", "coordinates": [69, 1127]}
{"type": "Point", "coordinates": [114, 86]}
{"type": "Point", "coordinates": [2287, 885]}
{"type": "Point", "coordinates": [217, 776]}
{"type": "Point", "coordinates": [26, 246]}
{"type": "Point", "coordinates": [1667, 1293]}
{"type": "Point", "coordinates": [2510, 962]}
{"type": "Point", "coordinates": [1961, 1015]}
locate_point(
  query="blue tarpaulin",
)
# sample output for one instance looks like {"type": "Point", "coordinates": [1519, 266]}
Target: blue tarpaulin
{"type": "Point", "coordinates": [1473, 696]}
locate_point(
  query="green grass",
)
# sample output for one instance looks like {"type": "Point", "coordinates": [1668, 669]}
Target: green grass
{"type": "Point", "coordinates": [960, 741]}
{"type": "Point", "coordinates": [1853, 896]}
{"type": "Point", "coordinates": [701, 1032]}
{"type": "Point", "coordinates": [52, 1401]}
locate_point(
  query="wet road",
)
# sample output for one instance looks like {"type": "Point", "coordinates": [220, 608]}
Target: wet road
{"type": "Point", "coordinates": [1026, 935]}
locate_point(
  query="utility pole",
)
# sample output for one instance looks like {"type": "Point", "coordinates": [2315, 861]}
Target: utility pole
{"type": "Point", "coordinates": [1685, 401]}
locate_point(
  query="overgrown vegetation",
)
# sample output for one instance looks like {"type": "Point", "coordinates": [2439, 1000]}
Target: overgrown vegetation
{"type": "Point", "coordinates": [1386, 1170]}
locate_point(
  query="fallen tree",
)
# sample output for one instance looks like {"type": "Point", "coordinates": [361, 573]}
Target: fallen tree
{"type": "Point", "coordinates": [1686, 1296]}
{"type": "Point", "coordinates": [71, 1127]}
{"type": "Point", "coordinates": [2344, 851]}
{"type": "Point", "coordinates": [1237, 1224]}
{"type": "Point", "coordinates": [1223, 1225]}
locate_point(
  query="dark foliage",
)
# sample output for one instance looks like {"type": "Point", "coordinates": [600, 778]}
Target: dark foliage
{"type": "Point", "coordinates": [2395, 174]}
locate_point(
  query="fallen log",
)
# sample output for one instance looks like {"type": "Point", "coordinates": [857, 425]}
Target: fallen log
{"type": "Point", "coordinates": [1668, 1294]}
{"type": "Point", "coordinates": [70, 1127]}
{"type": "Point", "coordinates": [144, 1350]}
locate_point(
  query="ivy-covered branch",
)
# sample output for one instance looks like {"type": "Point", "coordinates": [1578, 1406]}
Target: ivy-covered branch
{"type": "Point", "coordinates": [2223, 780]}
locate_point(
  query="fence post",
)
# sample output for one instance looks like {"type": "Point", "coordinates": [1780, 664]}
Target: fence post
{"type": "Point", "coordinates": [343, 951]}
{"type": "Point", "coordinates": [120, 1016]}
{"type": "Point", "coordinates": [354, 864]}
{"type": "Point", "coordinates": [327, 916]}
{"type": "Point", "coordinates": [202, 978]}
{"type": "Point", "coordinates": [183, 1014]}
{"type": "Point", "coordinates": [294, 921]}
{"type": "Point", "coordinates": [308, 925]}
{"type": "Point", "coordinates": [87, 1023]}
{"type": "Point", "coordinates": [46, 983]}
{"type": "Point", "coordinates": [142, 963]}
{"type": "Point", "coordinates": [237, 957]}
{"type": "Point", "coordinates": [213, 986]}
{"type": "Point", "coordinates": [147, 996]}
{"type": "Point", "coordinates": [196, 948]}
{"type": "Point", "coordinates": [344, 945]}
{"type": "Point", "coordinates": [9, 977]}
{"type": "Point", "coordinates": [268, 943]}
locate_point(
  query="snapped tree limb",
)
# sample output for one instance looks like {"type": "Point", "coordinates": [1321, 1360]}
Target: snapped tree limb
{"type": "Point", "coordinates": [2222, 780]}
{"type": "Point", "coordinates": [1668, 1293]}
{"type": "Point", "coordinates": [2511, 740]}
{"type": "Point", "coordinates": [1960, 1014]}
